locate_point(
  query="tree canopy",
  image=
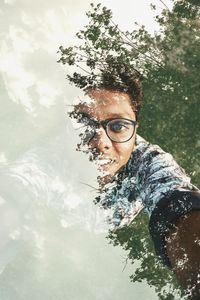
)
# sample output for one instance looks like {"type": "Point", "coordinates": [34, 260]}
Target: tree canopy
{"type": "Point", "coordinates": [168, 64]}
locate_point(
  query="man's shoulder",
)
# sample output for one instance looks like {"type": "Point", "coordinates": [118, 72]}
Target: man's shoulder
{"type": "Point", "coordinates": [145, 146]}
{"type": "Point", "coordinates": [146, 153]}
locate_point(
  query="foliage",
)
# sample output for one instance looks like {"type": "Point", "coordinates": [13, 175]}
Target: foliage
{"type": "Point", "coordinates": [106, 52]}
{"type": "Point", "coordinates": [168, 63]}
{"type": "Point", "coordinates": [137, 242]}
{"type": "Point", "coordinates": [171, 110]}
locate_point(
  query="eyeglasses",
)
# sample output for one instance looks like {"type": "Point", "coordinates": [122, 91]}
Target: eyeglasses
{"type": "Point", "coordinates": [119, 130]}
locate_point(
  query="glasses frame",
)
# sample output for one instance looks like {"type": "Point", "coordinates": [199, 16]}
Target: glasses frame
{"type": "Point", "coordinates": [104, 124]}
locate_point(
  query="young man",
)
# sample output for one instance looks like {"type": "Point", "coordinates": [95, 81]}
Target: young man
{"type": "Point", "coordinates": [136, 174]}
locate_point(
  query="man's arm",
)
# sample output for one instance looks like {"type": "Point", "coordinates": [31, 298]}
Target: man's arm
{"type": "Point", "coordinates": [183, 250]}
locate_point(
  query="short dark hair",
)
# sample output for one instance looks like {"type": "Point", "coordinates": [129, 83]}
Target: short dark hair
{"type": "Point", "coordinates": [124, 79]}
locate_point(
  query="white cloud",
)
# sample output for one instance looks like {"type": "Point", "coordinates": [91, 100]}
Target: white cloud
{"type": "Point", "coordinates": [9, 1]}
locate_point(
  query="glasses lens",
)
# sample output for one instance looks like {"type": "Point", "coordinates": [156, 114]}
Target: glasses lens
{"type": "Point", "coordinates": [120, 130]}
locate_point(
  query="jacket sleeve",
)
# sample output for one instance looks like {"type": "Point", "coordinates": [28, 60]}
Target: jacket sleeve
{"type": "Point", "coordinates": [165, 190]}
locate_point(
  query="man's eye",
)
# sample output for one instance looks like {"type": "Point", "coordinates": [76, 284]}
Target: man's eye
{"type": "Point", "coordinates": [118, 126]}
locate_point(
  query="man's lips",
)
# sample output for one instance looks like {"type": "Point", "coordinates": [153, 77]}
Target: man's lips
{"type": "Point", "coordinates": [105, 161]}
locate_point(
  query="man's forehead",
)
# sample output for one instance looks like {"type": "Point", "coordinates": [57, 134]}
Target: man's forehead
{"type": "Point", "coordinates": [106, 112]}
{"type": "Point", "coordinates": [102, 104]}
{"type": "Point", "coordinates": [102, 97]}
{"type": "Point", "coordinates": [107, 96]}
{"type": "Point", "coordinates": [98, 106]}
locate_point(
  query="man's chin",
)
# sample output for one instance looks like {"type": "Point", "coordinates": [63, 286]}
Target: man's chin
{"type": "Point", "coordinates": [104, 180]}
{"type": "Point", "coordinates": [107, 175]}
{"type": "Point", "coordinates": [107, 169]}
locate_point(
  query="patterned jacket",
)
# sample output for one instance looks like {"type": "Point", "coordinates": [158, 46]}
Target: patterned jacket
{"type": "Point", "coordinates": [154, 181]}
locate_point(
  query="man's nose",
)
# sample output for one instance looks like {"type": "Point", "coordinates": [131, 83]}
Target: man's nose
{"type": "Point", "coordinates": [101, 141]}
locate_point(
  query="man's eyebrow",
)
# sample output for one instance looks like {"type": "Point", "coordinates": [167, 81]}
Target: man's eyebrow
{"type": "Point", "coordinates": [120, 115]}
{"type": "Point", "coordinates": [117, 115]}
{"type": "Point", "coordinates": [112, 115]}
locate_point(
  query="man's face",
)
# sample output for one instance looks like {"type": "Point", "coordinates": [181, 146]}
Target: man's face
{"type": "Point", "coordinates": [105, 104]}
